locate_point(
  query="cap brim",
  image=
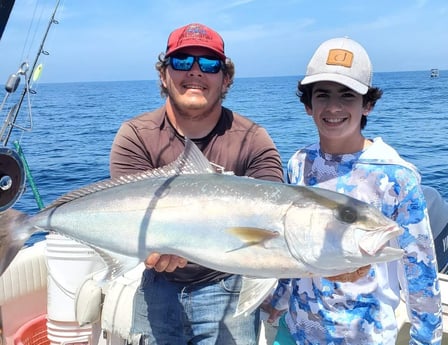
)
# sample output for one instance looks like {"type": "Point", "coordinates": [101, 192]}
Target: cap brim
{"type": "Point", "coordinates": [337, 78]}
{"type": "Point", "coordinates": [217, 52]}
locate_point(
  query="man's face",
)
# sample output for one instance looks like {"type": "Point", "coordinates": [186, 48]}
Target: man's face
{"type": "Point", "coordinates": [195, 90]}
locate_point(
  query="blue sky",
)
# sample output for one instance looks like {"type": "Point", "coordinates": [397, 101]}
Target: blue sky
{"type": "Point", "coordinates": [99, 40]}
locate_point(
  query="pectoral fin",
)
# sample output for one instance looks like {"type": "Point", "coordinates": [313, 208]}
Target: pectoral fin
{"type": "Point", "coordinates": [253, 292]}
{"type": "Point", "coordinates": [252, 235]}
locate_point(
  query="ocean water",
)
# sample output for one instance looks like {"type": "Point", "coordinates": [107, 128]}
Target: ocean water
{"type": "Point", "coordinates": [74, 125]}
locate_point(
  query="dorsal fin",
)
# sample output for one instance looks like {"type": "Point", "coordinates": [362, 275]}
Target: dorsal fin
{"type": "Point", "coordinates": [190, 161]}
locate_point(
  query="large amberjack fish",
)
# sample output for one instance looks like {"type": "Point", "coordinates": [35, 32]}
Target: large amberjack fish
{"type": "Point", "coordinates": [240, 225]}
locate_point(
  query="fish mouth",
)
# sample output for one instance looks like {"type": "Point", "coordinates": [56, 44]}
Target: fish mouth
{"type": "Point", "coordinates": [374, 242]}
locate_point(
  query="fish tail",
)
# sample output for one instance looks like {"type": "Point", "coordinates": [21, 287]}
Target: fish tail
{"type": "Point", "coordinates": [14, 231]}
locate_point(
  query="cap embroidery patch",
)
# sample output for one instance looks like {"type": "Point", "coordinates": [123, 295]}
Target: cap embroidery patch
{"type": "Point", "coordinates": [195, 32]}
{"type": "Point", "coordinates": [340, 57]}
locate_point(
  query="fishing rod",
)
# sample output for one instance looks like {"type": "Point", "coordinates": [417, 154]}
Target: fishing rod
{"type": "Point", "coordinates": [13, 166]}
{"type": "Point", "coordinates": [14, 80]}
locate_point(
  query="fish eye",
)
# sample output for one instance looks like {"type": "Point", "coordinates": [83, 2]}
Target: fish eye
{"type": "Point", "coordinates": [347, 214]}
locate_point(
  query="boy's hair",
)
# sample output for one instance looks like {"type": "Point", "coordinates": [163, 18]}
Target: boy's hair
{"type": "Point", "coordinates": [304, 92]}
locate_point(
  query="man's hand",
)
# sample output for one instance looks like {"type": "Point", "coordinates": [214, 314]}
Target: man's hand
{"type": "Point", "coordinates": [165, 262]}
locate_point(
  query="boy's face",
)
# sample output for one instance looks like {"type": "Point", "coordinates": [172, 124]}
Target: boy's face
{"type": "Point", "coordinates": [337, 112]}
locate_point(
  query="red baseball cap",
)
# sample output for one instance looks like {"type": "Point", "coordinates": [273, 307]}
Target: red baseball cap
{"type": "Point", "coordinates": [195, 35]}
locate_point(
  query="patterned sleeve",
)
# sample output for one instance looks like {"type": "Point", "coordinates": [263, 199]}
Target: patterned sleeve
{"type": "Point", "coordinates": [418, 268]}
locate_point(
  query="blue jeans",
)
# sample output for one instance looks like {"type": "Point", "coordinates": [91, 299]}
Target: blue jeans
{"type": "Point", "coordinates": [169, 313]}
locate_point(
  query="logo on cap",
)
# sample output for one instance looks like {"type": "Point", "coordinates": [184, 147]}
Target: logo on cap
{"type": "Point", "coordinates": [195, 32]}
{"type": "Point", "coordinates": [340, 57]}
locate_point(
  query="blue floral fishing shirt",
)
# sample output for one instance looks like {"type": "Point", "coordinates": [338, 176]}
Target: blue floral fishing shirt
{"type": "Point", "coordinates": [363, 312]}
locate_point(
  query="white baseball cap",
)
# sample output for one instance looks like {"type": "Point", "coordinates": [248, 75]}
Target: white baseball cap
{"type": "Point", "coordinates": [343, 61]}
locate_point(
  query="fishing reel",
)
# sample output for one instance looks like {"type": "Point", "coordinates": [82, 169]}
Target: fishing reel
{"type": "Point", "coordinates": [12, 178]}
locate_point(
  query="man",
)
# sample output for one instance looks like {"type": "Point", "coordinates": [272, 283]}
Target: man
{"type": "Point", "coordinates": [180, 302]}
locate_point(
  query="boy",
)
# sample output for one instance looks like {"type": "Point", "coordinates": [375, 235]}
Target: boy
{"type": "Point", "coordinates": [337, 92]}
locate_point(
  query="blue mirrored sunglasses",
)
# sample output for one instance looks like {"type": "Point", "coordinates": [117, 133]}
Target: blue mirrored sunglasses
{"type": "Point", "coordinates": [207, 64]}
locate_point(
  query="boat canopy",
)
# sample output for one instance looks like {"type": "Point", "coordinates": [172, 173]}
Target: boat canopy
{"type": "Point", "coordinates": [5, 10]}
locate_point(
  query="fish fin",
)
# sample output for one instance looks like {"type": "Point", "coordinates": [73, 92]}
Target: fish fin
{"type": "Point", "coordinates": [190, 161]}
{"type": "Point", "coordinates": [371, 243]}
{"type": "Point", "coordinates": [252, 235]}
{"type": "Point", "coordinates": [115, 264]}
{"type": "Point", "coordinates": [253, 292]}
{"type": "Point", "coordinates": [14, 231]}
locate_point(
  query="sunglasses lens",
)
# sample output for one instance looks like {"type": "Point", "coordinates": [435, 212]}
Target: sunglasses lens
{"type": "Point", "coordinates": [182, 63]}
{"type": "Point", "coordinates": [208, 65]}
{"type": "Point", "coordinates": [185, 63]}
